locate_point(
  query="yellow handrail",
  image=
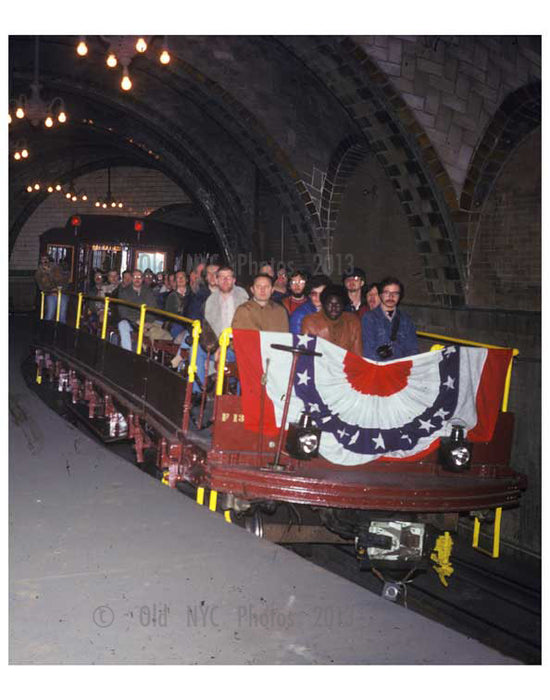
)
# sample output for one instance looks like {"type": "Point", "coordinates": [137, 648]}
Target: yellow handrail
{"type": "Point", "coordinates": [79, 311]}
{"type": "Point", "coordinates": [462, 341]}
{"type": "Point", "coordinates": [191, 370]}
{"type": "Point", "coordinates": [105, 318]}
{"type": "Point", "coordinates": [225, 338]}
{"type": "Point", "coordinates": [58, 310]}
{"type": "Point", "coordinates": [143, 311]}
{"type": "Point", "coordinates": [42, 297]}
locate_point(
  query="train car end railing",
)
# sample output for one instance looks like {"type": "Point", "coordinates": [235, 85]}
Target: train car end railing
{"type": "Point", "coordinates": [494, 551]}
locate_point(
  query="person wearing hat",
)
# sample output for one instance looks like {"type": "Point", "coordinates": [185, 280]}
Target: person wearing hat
{"type": "Point", "coordinates": [354, 281]}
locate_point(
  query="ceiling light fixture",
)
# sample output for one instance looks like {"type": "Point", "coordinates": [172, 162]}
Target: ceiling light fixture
{"type": "Point", "coordinates": [121, 50]}
{"type": "Point", "coordinates": [108, 202]}
{"type": "Point", "coordinates": [34, 107]}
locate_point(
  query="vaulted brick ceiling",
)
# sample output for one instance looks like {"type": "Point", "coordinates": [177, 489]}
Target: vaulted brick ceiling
{"type": "Point", "coordinates": [229, 110]}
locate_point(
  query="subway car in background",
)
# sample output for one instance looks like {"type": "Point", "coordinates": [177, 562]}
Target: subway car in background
{"type": "Point", "coordinates": [88, 242]}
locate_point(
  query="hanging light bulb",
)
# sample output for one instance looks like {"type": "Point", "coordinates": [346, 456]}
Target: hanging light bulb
{"type": "Point", "coordinates": [164, 57]}
{"type": "Point", "coordinates": [126, 83]}
{"type": "Point", "coordinates": [24, 153]}
{"type": "Point", "coordinates": [68, 195]}
{"type": "Point", "coordinates": [84, 198]}
{"type": "Point", "coordinates": [37, 186]}
{"type": "Point", "coordinates": [82, 48]}
{"type": "Point", "coordinates": [29, 188]}
{"type": "Point", "coordinates": [104, 205]}
{"type": "Point", "coordinates": [141, 45]}
{"type": "Point", "coordinates": [9, 118]}
{"type": "Point", "coordinates": [111, 60]}
{"type": "Point", "coordinates": [58, 187]}
{"type": "Point", "coordinates": [48, 122]}
{"type": "Point", "coordinates": [97, 204]}
{"type": "Point", "coordinates": [17, 155]}
{"type": "Point", "coordinates": [120, 205]}
{"type": "Point", "coordinates": [74, 198]}
{"type": "Point", "coordinates": [50, 189]}
{"type": "Point", "coordinates": [62, 117]}
{"type": "Point", "coordinates": [20, 112]}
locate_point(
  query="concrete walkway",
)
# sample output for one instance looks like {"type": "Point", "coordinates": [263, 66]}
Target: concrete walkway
{"type": "Point", "coordinates": [108, 566]}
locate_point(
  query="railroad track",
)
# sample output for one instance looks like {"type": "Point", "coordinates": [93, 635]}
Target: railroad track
{"type": "Point", "coordinates": [498, 610]}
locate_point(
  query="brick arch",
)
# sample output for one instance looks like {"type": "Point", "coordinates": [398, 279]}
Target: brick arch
{"type": "Point", "coordinates": [518, 115]}
{"type": "Point", "coordinates": [297, 205]}
{"type": "Point", "coordinates": [345, 160]}
{"type": "Point", "coordinates": [186, 165]}
{"type": "Point", "coordinates": [194, 167]}
{"type": "Point", "coordinates": [404, 151]}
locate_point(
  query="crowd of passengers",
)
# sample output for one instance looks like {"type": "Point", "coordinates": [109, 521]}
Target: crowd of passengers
{"type": "Point", "coordinates": [362, 318]}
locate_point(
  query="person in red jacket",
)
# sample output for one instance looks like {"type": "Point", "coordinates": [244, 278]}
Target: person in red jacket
{"type": "Point", "coordinates": [297, 291]}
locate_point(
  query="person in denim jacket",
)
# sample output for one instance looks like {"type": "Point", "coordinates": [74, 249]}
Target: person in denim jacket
{"type": "Point", "coordinates": [377, 326]}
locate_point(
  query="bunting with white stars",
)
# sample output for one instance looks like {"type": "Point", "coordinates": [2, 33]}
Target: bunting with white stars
{"type": "Point", "coordinates": [369, 410]}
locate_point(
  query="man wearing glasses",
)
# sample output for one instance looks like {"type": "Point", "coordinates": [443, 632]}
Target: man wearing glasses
{"type": "Point", "coordinates": [296, 288]}
{"type": "Point", "coordinates": [388, 332]}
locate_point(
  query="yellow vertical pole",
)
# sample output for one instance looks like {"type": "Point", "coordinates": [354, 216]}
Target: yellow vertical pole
{"type": "Point", "coordinates": [506, 394]}
{"type": "Point", "coordinates": [141, 328]}
{"type": "Point", "coordinates": [194, 349]}
{"type": "Point", "coordinates": [496, 533]}
{"type": "Point", "coordinates": [200, 495]}
{"type": "Point", "coordinates": [42, 298]}
{"type": "Point", "coordinates": [58, 310]}
{"type": "Point", "coordinates": [213, 500]}
{"type": "Point", "coordinates": [105, 315]}
{"type": "Point", "coordinates": [475, 538]}
{"type": "Point", "coordinates": [224, 343]}
{"type": "Point", "coordinates": [79, 310]}
{"type": "Point", "coordinates": [227, 515]}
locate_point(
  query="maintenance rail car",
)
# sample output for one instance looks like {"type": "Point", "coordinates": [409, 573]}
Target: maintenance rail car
{"type": "Point", "coordinates": [399, 514]}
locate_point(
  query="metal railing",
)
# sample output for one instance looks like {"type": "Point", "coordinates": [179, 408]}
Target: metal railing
{"type": "Point", "coordinates": [225, 336]}
{"type": "Point", "coordinates": [143, 309]}
{"type": "Point", "coordinates": [473, 343]}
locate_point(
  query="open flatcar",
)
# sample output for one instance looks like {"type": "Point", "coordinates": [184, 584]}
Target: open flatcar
{"type": "Point", "coordinates": [306, 442]}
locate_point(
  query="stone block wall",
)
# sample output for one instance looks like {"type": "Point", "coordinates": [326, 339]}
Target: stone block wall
{"type": "Point", "coordinates": [373, 232]}
{"type": "Point", "coordinates": [504, 246]}
{"type": "Point", "coordinates": [454, 84]}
